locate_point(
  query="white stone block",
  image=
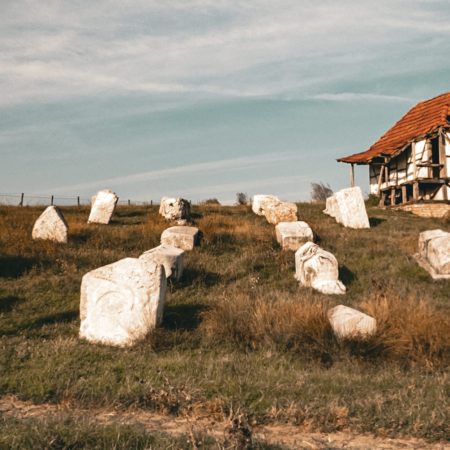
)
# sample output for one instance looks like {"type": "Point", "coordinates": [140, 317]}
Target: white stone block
{"type": "Point", "coordinates": [175, 209]}
{"type": "Point", "coordinates": [277, 211]}
{"type": "Point", "coordinates": [434, 253]}
{"type": "Point", "coordinates": [172, 258]}
{"type": "Point", "coordinates": [259, 201]}
{"type": "Point", "coordinates": [181, 237]}
{"type": "Point", "coordinates": [292, 235]}
{"type": "Point", "coordinates": [121, 302]}
{"type": "Point", "coordinates": [103, 205]}
{"type": "Point", "coordinates": [50, 226]}
{"type": "Point", "coordinates": [348, 208]}
{"type": "Point", "coordinates": [351, 323]}
{"type": "Point", "coordinates": [317, 268]}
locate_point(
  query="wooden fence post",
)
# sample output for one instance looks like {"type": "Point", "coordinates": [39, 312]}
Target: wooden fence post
{"type": "Point", "coordinates": [21, 199]}
{"type": "Point", "coordinates": [51, 201]}
{"type": "Point", "coordinates": [78, 201]}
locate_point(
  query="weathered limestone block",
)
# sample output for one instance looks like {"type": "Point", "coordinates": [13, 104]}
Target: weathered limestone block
{"type": "Point", "coordinates": [175, 209]}
{"type": "Point", "coordinates": [350, 323]}
{"type": "Point", "coordinates": [259, 201]}
{"type": "Point", "coordinates": [121, 302]}
{"type": "Point", "coordinates": [317, 268]}
{"type": "Point", "coordinates": [182, 237]}
{"type": "Point", "coordinates": [434, 253]}
{"type": "Point", "coordinates": [103, 205]}
{"type": "Point", "coordinates": [277, 211]}
{"type": "Point", "coordinates": [348, 208]}
{"type": "Point", "coordinates": [172, 258]}
{"type": "Point", "coordinates": [292, 235]}
{"type": "Point", "coordinates": [50, 226]}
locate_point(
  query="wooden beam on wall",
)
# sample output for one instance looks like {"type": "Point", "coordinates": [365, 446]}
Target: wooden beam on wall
{"type": "Point", "coordinates": [352, 176]}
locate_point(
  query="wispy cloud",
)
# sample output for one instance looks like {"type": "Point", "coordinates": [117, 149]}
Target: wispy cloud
{"type": "Point", "coordinates": [60, 50]}
{"type": "Point", "coordinates": [198, 168]}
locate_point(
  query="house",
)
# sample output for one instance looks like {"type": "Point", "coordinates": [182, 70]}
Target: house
{"type": "Point", "coordinates": [409, 166]}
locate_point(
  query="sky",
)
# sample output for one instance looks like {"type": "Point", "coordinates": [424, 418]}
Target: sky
{"type": "Point", "coordinates": [203, 99]}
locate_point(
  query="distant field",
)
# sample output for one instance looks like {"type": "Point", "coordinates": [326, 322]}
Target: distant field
{"type": "Point", "coordinates": [239, 335]}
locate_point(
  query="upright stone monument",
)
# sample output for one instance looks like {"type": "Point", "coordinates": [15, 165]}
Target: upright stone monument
{"type": "Point", "coordinates": [434, 253]}
{"type": "Point", "coordinates": [348, 208]}
{"type": "Point", "coordinates": [292, 235]}
{"type": "Point", "coordinates": [50, 226]}
{"type": "Point", "coordinates": [121, 302]}
{"type": "Point", "coordinates": [317, 268]}
{"type": "Point", "coordinates": [172, 258]}
{"type": "Point", "coordinates": [182, 237]}
{"type": "Point", "coordinates": [177, 209]}
{"type": "Point", "coordinates": [103, 205]}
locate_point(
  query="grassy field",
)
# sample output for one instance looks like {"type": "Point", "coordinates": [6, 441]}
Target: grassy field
{"type": "Point", "coordinates": [238, 334]}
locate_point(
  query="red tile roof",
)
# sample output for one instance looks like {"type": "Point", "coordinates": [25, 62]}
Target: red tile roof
{"type": "Point", "coordinates": [425, 118]}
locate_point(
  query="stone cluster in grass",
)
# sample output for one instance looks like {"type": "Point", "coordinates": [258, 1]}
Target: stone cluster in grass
{"type": "Point", "coordinates": [175, 209]}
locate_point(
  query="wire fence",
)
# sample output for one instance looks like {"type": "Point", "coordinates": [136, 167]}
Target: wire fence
{"type": "Point", "coordinates": [23, 199]}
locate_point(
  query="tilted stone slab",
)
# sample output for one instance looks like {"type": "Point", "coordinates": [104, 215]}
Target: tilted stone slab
{"type": "Point", "coordinates": [292, 235]}
{"type": "Point", "coordinates": [103, 205]}
{"type": "Point", "coordinates": [121, 302]}
{"type": "Point", "coordinates": [259, 202]}
{"type": "Point", "coordinates": [348, 208]}
{"type": "Point", "coordinates": [351, 323]}
{"type": "Point", "coordinates": [50, 226]}
{"type": "Point", "coordinates": [317, 268]}
{"type": "Point", "coordinates": [172, 258]}
{"type": "Point", "coordinates": [434, 253]}
{"type": "Point", "coordinates": [182, 237]}
{"type": "Point", "coordinates": [277, 211]}
{"type": "Point", "coordinates": [175, 209]}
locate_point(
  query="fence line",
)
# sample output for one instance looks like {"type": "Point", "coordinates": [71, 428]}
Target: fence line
{"type": "Point", "coordinates": [23, 199]}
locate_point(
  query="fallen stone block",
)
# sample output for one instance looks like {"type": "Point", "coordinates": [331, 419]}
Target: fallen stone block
{"type": "Point", "coordinates": [434, 253]}
{"type": "Point", "coordinates": [172, 258]}
{"type": "Point", "coordinates": [177, 209]}
{"type": "Point", "coordinates": [292, 235]}
{"type": "Point", "coordinates": [259, 202]}
{"type": "Point", "coordinates": [182, 237]}
{"type": "Point", "coordinates": [50, 226]}
{"type": "Point", "coordinates": [348, 208]}
{"type": "Point", "coordinates": [351, 323]}
{"type": "Point", "coordinates": [103, 205]}
{"type": "Point", "coordinates": [317, 268]}
{"type": "Point", "coordinates": [121, 302]}
{"type": "Point", "coordinates": [277, 211]}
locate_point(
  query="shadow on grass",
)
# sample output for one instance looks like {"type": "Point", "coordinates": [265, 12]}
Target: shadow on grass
{"type": "Point", "coordinates": [8, 303]}
{"type": "Point", "coordinates": [194, 276]}
{"type": "Point", "coordinates": [375, 221]}
{"type": "Point", "coordinates": [132, 213]}
{"type": "Point", "coordinates": [63, 317]}
{"type": "Point", "coordinates": [185, 317]}
{"type": "Point", "coordinates": [82, 237]}
{"type": "Point", "coordinates": [346, 275]}
{"type": "Point", "coordinates": [16, 266]}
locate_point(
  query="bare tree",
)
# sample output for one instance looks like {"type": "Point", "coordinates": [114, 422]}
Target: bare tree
{"type": "Point", "coordinates": [320, 192]}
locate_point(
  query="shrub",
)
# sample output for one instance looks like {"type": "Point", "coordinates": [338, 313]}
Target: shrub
{"type": "Point", "coordinates": [241, 198]}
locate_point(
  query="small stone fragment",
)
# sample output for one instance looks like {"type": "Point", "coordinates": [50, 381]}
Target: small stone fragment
{"type": "Point", "coordinates": [348, 208]}
{"type": "Point", "coordinates": [182, 237]}
{"type": "Point", "coordinates": [177, 209]}
{"type": "Point", "coordinates": [50, 226]}
{"type": "Point", "coordinates": [103, 205]}
{"type": "Point", "coordinates": [292, 235]}
{"type": "Point", "coordinates": [351, 323]}
{"type": "Point", "coordinates": [317, 268]}
{"type": "Point", "coordinates": [172, 258]}
{"type": "Point", "coordinates": [121, 302]}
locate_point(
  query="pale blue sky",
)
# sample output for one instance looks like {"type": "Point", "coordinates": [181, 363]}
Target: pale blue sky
{"type": "Point", "coordinates": [207, 98]}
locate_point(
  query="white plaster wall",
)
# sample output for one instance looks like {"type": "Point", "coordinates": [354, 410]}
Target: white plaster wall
{"type": "Point", "coordinates": [421, 157]}
{"type": "Point", "coordinates": [447, 154]}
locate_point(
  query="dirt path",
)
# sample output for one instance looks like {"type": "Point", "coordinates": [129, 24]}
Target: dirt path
{"type": "Point", "coordinates": [287, 435]}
